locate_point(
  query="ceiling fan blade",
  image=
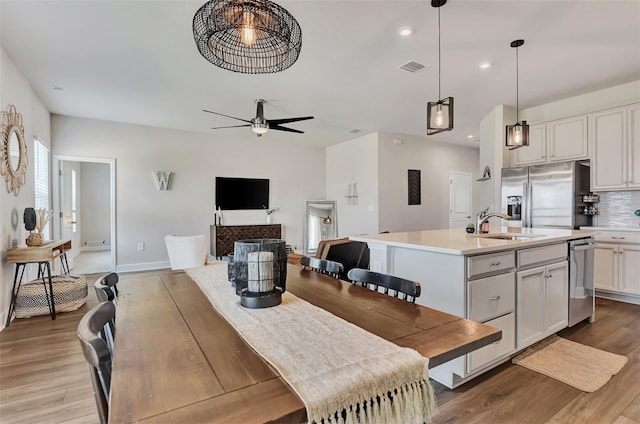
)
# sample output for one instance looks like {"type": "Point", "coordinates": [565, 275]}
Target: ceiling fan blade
{"type": "Point", "coordinates": [222, 114]}
{"type": "Point", "coordinates": [287, 120]}
{"type": "Point", "coordinates": [231, 126]}
{"type": "Point", "coordinates": [279, 128]}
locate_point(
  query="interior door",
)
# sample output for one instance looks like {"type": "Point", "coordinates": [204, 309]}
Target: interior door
{"type": "Point", "coordinates": [459, 199]}
{"type": "Point", "coordinates": [66, 208]}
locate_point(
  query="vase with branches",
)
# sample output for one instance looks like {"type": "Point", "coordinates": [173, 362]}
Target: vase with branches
{"type": "Point", "coordinates": [43, 217]}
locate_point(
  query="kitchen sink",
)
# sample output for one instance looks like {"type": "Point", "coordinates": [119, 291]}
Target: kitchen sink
{"type": "Point", "coordinates": [508, 236]}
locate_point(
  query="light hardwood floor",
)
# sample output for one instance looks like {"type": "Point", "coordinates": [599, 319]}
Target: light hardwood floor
{"type": "Point", "coordinates": [44, 378]}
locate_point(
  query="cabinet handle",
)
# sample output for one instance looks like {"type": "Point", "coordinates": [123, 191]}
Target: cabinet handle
{"type": "Point", "coordinates": [494, 298]}
{"type": "Point", "coordinates": [618, 238]}
{"type": "Point", "coordinates": [550, 275]}
{"type": "Point", "coordinates": [494, 263]}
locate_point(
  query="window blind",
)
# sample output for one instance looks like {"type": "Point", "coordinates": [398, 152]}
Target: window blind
{"type": "Point", "coordinates": [41, 178]}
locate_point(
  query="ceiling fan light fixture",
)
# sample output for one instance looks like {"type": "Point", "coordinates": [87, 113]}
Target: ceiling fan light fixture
{"type": "Point", "coordinates": [440, 113]}
{"type": "Point", "coordinates": [517, 135]}
{"type": "Point", "coordinates": [259, 128]}
{"type": "Point", "coordinates": [250, 36]}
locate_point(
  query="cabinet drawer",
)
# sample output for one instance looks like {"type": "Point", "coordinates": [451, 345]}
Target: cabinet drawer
{"type": "Point", "coordinates": [491, 297]}
{"type": "Point", "coordinates": [542, 255]}
{"type": "Point", "coordinates": [505, 346]}
{"type": "Point", "coordinates": [493, 262]}
{"type": "Point", "coordinates": [618, 237]}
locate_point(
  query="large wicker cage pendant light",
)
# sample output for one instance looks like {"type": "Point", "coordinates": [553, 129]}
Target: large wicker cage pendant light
{"type": "Point", "coordinates": [247, 36]}
{"type": "Point", "coordinates": [440, 113]}
{"type": "Point", "coordinates": [517, 135]}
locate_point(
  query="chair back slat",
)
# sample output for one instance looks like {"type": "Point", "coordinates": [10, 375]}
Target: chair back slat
{"type": "Point", "coordinates": [323, 266]}
{"type": "Point", "coordinates": [98, 353]}
{"type": "Point", "coordinates": [409, 290]}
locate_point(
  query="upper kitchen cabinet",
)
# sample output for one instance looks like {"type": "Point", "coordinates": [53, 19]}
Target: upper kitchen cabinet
{"type": "Point", "coordinates": [614, 137]}
{"type": "Point", "coordinates": [555, 141]}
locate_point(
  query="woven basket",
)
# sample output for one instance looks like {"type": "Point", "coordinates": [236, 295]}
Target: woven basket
{"type": "Point", "coordinates": [69, 293]}
{"type": "Point", "coordinates": [35, 239]}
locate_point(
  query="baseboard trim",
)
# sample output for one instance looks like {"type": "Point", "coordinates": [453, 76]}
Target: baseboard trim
{"type": "Point", "coordinates": [94, 248]}
{"type": "Point", "coordinates": [620, 297]}
{"type": "Point", "coordinates": [146, 266]}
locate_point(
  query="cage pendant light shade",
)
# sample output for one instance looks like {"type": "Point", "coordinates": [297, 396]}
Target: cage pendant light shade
{"type": "Point", "coordinates": [440, 116]}
{"type": "Point", "coordinates": [250, 36]}
{"type": "Point", "coordinates": [517, 135]}
{"type": "Point", "coordinates": [440, 113]}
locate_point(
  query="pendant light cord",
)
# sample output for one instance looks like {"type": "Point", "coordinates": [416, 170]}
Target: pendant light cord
{"type": "Point", "coordinates": [439, 60]}
{"type": "Point", "coordinates": [517, 93]}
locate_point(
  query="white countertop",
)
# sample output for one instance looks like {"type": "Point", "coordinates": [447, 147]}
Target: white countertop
{"type": "Point", "coordinates": [458, 242]}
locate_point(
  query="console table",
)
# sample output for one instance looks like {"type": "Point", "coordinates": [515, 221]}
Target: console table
{"type": "Point", "coordinates": [41, 255]}
{"type": "Point", "coordinates": [224, 236]}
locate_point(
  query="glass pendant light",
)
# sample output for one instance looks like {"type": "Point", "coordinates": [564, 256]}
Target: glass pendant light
{"type": "Point", "coordinates": [518, 133]}
{"type": "Point", "coordinates": [440, 113]}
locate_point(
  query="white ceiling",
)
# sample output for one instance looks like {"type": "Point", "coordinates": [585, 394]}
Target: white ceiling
{"type": "Point", "coordinates": [136, 61]}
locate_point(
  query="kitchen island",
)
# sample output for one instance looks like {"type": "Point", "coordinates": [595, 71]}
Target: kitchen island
{"type": "Point", "coordinates": [514, 279]}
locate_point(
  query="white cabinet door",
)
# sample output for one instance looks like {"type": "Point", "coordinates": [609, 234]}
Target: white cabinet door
{"type": "Point", "coordinates": [530, 287]}
{"type": "Point", "coordinates": [633, 151]}
{"type": "Point", "coordinates": [607, 142]}
{"type": "Point", "coordinates": [567, 139]}
{"type": "Point", "coordinates": [536, 151]}
{"type": "Point", "coordinates": [605, 266]}
{"type": "Point", "coordinates": [556, 297]}
{"type": "Point", "coordinates": [629, 268]}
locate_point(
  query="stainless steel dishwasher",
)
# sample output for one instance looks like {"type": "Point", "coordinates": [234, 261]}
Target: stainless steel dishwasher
{"type": "Point", "coordinates": [581, 288]}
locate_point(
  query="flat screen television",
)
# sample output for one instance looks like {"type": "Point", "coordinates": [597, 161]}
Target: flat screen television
{"type": "Point", "coordinates": [242, 193]}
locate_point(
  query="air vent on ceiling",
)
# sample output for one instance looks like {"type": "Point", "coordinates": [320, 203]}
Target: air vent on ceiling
{"type": "Point", "coordinates": [354, 131]}
{"type": "Point", "coordinates": [412, 66]}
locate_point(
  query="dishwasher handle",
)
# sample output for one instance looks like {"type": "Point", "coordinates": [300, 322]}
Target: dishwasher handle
{"type": "Point", "coordinates": [586, 246]}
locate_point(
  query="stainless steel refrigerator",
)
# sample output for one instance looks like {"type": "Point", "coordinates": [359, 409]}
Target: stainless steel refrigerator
{"type": "Point", "coordinates": [548, 195]}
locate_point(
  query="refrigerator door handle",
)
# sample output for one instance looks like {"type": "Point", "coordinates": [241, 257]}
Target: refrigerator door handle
{"type": "Point", "coordinates": [530, 204]}
{"type": "Point", "coordinates": [526, 205]}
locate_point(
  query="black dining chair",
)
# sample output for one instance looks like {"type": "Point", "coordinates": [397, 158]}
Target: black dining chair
{"type": "Point", "coordinates": [107, 287]}
{"type": "Point", "coordinates": [323, 266]}
{"type": "Point", "coordinates": [107, 291]}
{"type": "Point", "coordinates": [97, 353]}
{"type": "Point", "coordinates": [399, 287]}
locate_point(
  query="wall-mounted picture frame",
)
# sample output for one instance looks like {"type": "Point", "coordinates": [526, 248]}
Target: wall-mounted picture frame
{"type": "Point", "coordinates": [413, 187]}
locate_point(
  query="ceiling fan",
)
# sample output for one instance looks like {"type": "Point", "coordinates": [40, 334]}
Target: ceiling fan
{"type": "Point", "coordinates": [259, 125]}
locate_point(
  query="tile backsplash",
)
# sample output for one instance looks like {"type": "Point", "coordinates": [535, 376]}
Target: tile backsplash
{"type": "Point", "coordinates": [617, 207]}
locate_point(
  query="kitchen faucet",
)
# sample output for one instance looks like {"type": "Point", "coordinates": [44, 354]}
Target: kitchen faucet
{"type": "Point", "coordinates": [484, 215]}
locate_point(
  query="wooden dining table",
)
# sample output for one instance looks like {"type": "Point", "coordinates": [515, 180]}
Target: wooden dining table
{"type": "Point", "coordinates": [177, 360]}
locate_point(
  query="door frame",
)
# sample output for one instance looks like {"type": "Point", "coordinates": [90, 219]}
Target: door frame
{"type": "Point", "coordinates": [57, 230]}
{"type": "Point", "coordinates": [469, 176]}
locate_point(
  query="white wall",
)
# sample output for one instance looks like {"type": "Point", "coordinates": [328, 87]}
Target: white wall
{"type": "Point", "coordinates": [145, 215]}
{"type": "Point", "coordinates": [379, 167]}
{"type": "Point", "coordinates": [15, 89]}
{"type": "Point", "coordinates": [354, 161]}
{"type": "Point", "coordinates": [434, 160]}
{"type": "Point", "coordinates": [95, 217]}
{"type": "Point", "coordinates": [494, 153]}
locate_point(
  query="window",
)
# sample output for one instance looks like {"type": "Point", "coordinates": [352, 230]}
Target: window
{"type": "Point", "coordinates": [41, 178]}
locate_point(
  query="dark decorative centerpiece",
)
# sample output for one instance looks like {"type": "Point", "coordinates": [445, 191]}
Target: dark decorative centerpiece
{"type": "Point", "coordinates": [260, 272]}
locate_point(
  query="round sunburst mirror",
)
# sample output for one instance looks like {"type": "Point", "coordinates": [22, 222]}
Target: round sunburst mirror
{"type": "Point", "coordinates": [14, 150]}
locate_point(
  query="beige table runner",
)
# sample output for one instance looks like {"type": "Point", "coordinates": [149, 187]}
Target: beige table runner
{"type": "Point", "coordinates": [335, 367]}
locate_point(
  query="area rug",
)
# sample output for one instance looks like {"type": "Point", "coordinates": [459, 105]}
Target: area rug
{"type": "Point", "coordinates": [583, 367]}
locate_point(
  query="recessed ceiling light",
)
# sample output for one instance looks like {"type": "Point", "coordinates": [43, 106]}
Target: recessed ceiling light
{"type": "Point", "coordinates": [485, 65]}
{"type": "Point", "coordinates": [470, 136]}
{"type": "Point", "coordinates": [405, 31]}
{"type": "Point", "coordinates": [58, 89]}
